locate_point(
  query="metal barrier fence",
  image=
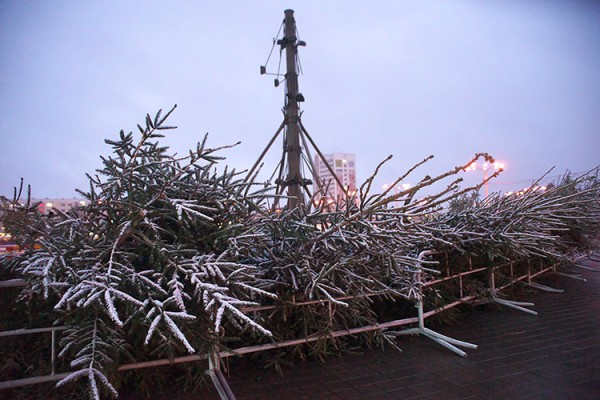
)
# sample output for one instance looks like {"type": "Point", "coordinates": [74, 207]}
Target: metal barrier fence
{"type": "Point", "coordinates": [214, 357]}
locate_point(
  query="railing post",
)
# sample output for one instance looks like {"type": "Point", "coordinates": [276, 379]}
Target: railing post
{"type": "Point", "coordinates": [445, 341]}
{"type": "Point", "coordinates": [53, 353]}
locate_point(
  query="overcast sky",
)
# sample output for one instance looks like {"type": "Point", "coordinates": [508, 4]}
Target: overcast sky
{"type": "Point", "coordinates": [518, 79]}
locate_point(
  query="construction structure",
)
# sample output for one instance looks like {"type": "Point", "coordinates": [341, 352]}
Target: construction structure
{"type": "Point", "coordinates": [292, 182]}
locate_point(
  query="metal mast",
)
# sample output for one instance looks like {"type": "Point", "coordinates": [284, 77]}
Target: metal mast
{"type": "Point", "coordinates": [295, 136]}
{"type": "Point", "coordinates": [294, 179]}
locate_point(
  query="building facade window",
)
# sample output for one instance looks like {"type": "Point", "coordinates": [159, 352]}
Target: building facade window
{"type": "Point", "coordinates": [344, 165]}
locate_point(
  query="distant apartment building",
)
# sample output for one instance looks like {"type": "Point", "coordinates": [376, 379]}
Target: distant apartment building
{"type": "Point", "coordinates": [344, 166]}
{"type": "Point", "coordinates": [47, 205]}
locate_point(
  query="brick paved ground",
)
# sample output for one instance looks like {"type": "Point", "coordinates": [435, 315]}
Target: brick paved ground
{"type": "Point", "coordinates": [555, 355]}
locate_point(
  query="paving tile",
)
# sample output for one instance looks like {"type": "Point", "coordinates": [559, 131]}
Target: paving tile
{"type": "Point", "coordinates": [401, 393]}
{"type": "Point", "coordinates": [334, 385]}
{"type": "Point", "coordinates": [580, 392]}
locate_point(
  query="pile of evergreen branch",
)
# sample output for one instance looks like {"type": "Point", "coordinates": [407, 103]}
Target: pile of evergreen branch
{"type": "Point", "coordinates": [171, 254]}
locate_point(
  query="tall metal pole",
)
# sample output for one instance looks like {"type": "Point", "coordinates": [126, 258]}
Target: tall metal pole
{"type": "Point", "coordinates": [294, 178]}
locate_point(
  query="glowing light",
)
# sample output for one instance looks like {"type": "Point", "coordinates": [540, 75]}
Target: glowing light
{"type": "Point", "coordinates": [491, 164]}
{"type": "Point", "coordinates": [49, 205]}
{"type": "Point", "coordinates": [471, 167]}
{"type": "Point", "coordinates": [82, 202]}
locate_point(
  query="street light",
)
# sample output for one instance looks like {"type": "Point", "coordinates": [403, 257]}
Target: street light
{"type": "Point", "coordinates": [404, 186]}
{"type": "Point", "coordinates": [525, 190]}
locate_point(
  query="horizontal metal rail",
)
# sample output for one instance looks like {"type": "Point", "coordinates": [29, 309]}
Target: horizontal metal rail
{"type": "Point", "coordinates": [33, 380]}
{"type": "Point", "coordinates": [18, 332]}
{"type": "Point", "coordinates": [448, 278]}
{"type": "Point", "coordinates": [13, 283]}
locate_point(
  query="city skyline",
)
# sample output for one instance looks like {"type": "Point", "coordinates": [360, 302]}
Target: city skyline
{"type": "Point", "coordinates": [516, 79]}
